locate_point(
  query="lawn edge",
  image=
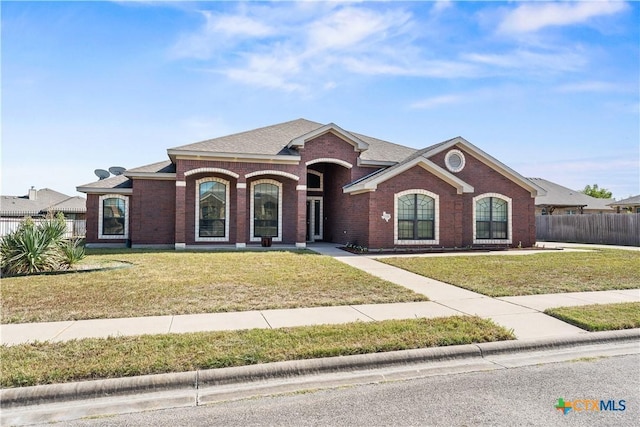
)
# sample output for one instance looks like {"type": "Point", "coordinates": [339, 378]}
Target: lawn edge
{"type": "Point", "coordinates": [195, 380]}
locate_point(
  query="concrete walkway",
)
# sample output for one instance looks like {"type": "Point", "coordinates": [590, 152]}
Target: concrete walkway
{"type": "Point", "coordinates": [523, 314]}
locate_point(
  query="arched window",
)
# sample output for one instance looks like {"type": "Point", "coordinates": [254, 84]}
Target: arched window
{"type": "Point", "coordinates": [212, 209]}
{"type": "Point", "coordinates": [266, 210]}
{"type": "Point", "coordinates": [314, 180]}
{"type": "Point", "coordinates": [113, 221]}
{"type": "Point", "coordinates": [492, 216]}
{"type": "Point", "coordinates": [416, 217]}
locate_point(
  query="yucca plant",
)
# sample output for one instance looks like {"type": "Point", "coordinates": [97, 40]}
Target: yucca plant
{"type": "Point", "coordinates": [72, 251]}
{"type": "Point", "coordinates": [34, 248]}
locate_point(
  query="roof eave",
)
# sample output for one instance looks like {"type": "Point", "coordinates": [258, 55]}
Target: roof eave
{"type": "Point", "coordinates": [492, 162]}
{"type": "Point", "coordinates": [151, 175]}
{"type": "Point", "coordinates": [460, 185]}
{"type": "Point", "coordinates": [96, 190]}
{"type": "Point", "coordinates": [235, 157]}
{"type": "Point", "coordinates": [358, 144]}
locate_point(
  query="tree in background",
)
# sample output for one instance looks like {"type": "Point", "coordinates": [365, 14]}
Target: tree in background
{"type": "Point", "coordinates": [594, 191]}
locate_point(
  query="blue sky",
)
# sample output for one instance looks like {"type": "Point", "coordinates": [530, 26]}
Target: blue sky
{"type": "Point", "coordinates": [550, 89]}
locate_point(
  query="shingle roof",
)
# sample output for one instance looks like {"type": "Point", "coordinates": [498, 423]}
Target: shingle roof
{"type": "Point", "coordinates": [46, 199]}
{"type": "Point", "coordinates": [273, 140]}
{"type": "Point", "coordinates": [557, 195]}
{"type": "Point", "coordinates": [631, 201]}
{"type": "Point", "coordinates": [160, 167]}
{"type": "Point", "coordinates": [119, 181]}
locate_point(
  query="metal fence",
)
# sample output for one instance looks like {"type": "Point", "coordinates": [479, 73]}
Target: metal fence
{"type": "Point", "coordinates": [75, 227]}
{"type": "Point", "coordinates": [607, 229]}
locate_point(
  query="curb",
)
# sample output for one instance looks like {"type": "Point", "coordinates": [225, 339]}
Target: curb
{"type": "Point", "coordinates": [194, 380]}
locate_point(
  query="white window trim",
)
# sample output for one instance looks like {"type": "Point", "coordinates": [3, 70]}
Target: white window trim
{"type": "Point", "coordinates": [226, 211]}
{"type": "Point", "coordinates": [447, 160]}
{"type": "Point", "coordinates": [312, 225]}
{"type": "Point", "coordinates": [436, 218]}
{"type": "Point", "coordinates": [509, 220]}
{"type": "Point", "coordinates": [321, 176]}
{"type": "Point", "coordinates": [101, 217]}
{"type": "Point", "coordinates": [277, 238]}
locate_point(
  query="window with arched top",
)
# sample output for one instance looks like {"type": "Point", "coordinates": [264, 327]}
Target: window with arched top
{"type": "Point", "coordinates": [266, 210]}
{"type": "Point", "coordinates": [314, 180]}
{"type": "Point", "coordinates": [492, 218]}
{"type": "Point", "coordinates": [416, 217]}
{"type": "Point", "coordinates": [113, 218]}
{"type": "Point", "coordinates": [212, 210]}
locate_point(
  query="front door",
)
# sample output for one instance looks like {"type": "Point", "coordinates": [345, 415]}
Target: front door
{"type": "Point", "coordinates": [314, 218]}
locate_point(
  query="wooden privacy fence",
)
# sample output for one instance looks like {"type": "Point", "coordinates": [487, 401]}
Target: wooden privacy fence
{"type": "Point", "coordinates": [606, 229]}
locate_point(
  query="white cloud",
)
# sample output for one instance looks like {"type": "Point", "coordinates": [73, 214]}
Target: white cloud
{"type": "Point", "coordinates": [562, 61]}
{"type": "Point", "coordinates": [438, 101]}
{"type": "Point", "coordinates": [354, 28]}
{"type": "Point", "coordinates": [271, 70]}
{"type": "Point", "coordinates": [531, 17]}
{"type": "Point", "coordinates": [589, 86]}
{"type": "Point", "coordinates": [440, 6]}
{"type": "Point", "coordinates": [414, 68]}
{"type": "Point", "coordinates": [218, 32]}
{"type": "Point", "coordinates": [242, 26]}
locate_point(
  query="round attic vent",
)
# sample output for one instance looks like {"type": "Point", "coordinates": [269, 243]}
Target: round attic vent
{"type": "Point", "coordinates": [454, 160]}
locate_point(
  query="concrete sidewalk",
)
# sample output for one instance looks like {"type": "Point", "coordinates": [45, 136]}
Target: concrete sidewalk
{"type": "Point", "coordinates": [523, 314]}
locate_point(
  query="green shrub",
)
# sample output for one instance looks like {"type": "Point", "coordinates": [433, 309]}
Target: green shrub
{"type": "Point", "coordinates": [72, 251]}
{"type": "Point", "coordinates": [34, 248]}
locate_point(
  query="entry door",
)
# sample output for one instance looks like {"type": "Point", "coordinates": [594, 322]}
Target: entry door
{"type": "Point", "coordinates": [314, 218]}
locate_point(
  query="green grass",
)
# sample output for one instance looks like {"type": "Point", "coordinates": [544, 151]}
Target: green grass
{"type": "Point", "coordinates": [163, 283]}
{"type": "Point", "coordinates": [542, 273]}
{"type": "Point", "coordinates": [87, 359]}
{"type": "Point", "coordinates": [600, 317]}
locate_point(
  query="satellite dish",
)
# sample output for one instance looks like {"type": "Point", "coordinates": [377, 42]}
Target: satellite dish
{"type": "Point", "coordinates": [117, 170]}
{"type": "Point", "coordinates": [101, 173]}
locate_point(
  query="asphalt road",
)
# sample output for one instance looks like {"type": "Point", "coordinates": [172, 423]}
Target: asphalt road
{"type": "Point", "coordinates": [506, 397]}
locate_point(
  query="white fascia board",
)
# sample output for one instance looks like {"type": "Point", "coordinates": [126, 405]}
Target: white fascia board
{"type": "Point", "coordinates": [460, 185]}
{"type": "Point", "coordinates": [375, 163]}
{"type": "Point", "coordinates": [359, 145]}
{"type": "Point", "coordinates": [234, 157]}
{"type": "Point", "coordinates": [151, 175]}
{"type": "Point", "coordinates": [93, 190]}
{"type": "Point", "coordinates": [493, 163]}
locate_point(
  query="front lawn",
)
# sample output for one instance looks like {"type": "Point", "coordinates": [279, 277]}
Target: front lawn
{"type": "Point", "coordinates": [600, 317]}
{"type": "Point", "coordinates": [162, 283]}
{"type": "Point", "coordinates": [89, 359]}
{"type": "Point", "coordinates": [542, 273]}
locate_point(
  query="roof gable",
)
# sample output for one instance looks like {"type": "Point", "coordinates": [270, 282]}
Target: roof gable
{"type": "Point", "coordinates": [358, 144]}
{"type": "Point", "coordinates": [488, 160]}
{"type": "Point", "coordinates": [371, 182]}
{"type": "Point", "coordinates": [421, 157]}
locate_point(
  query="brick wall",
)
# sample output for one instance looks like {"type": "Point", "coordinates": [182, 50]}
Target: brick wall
{"type": "Point", "coordinates": [382, 232]}
{"type": "Point", "coordinates": [152, 212]}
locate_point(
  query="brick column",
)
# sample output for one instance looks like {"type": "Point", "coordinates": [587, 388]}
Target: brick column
{"type": "Point", "coordinates": [301, 223]}
{"type": "Point", "coordinates": [181, 204]}
{"type": "Point", "coordinates": [241, 214]}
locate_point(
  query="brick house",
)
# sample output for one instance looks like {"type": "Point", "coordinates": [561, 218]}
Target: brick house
{"type": "Point", "coordinates": [300, 181]}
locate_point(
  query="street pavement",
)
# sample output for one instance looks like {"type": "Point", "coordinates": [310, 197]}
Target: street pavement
{"type": "Point", "coordinates": [525, 395]}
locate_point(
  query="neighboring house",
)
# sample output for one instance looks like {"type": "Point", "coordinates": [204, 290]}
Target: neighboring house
{"type": "Point", "coordinates": [36, 204]}
{"type": "Point", "coordinates": [560, 200]}
{"type": "Point", "coordinates": [632, 205]}
{"type": "Point", "coordinates": [300, 181]}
